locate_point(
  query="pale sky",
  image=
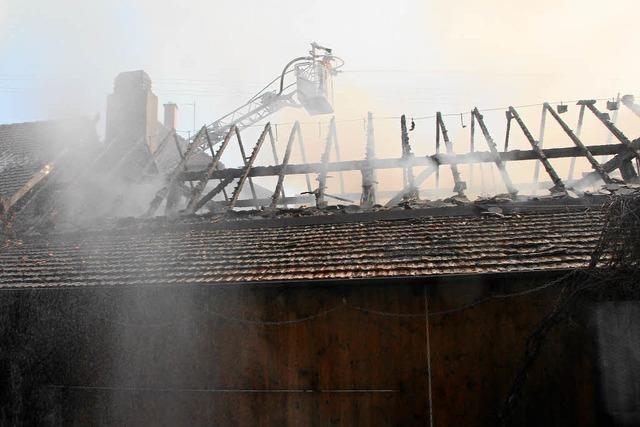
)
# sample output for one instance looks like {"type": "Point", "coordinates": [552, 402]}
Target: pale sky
{"type": "Point", "coordinates": [59, 58]}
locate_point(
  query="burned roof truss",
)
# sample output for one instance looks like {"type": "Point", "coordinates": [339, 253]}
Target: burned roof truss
{"type": "Point", "coordinates": [624, 152]}
{"type": "Point", "coordinates": [218, 188]}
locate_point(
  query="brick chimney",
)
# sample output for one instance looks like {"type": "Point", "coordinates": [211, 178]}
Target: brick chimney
{"type": "Point", "coordinates": [170, 113]}
{"type": "Point", "coordinates": [132, 112]}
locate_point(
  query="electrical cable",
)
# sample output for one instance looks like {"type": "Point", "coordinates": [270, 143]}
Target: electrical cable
{"type": "Point", "coordinates": [344, 304]}
{"type": "Point", "coordinates": [433, 116]}
{"type": "Point", "coordinates": [210, 390]}
{"type": "Point", "coordinates": [278, 322]}
{"type": "Point", "coordinates": [470, 305]}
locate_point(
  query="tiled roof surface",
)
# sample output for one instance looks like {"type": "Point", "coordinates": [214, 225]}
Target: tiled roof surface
{"type": "Point", "coordinates": [26, 147]}
{"type": "Point", "coordinates": [14, 176]}
{"type": "Point", "coordinates": [424, 246]}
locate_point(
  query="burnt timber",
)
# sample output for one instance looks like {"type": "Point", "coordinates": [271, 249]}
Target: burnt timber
{"type": "Point", "coordinates": [442, 159]}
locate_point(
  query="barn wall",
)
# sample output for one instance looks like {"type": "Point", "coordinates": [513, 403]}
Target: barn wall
{"type": "Point", "coordinates": [310, 355]}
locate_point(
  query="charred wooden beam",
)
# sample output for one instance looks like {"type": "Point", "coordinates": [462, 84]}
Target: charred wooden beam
{"type": "Point", "coordinates": [620, 136]}
{"type": "Point", "coordinates": [494, 151]}
{"type": "Point", "coordinates": [617, 162]}
{"type": "Point", "coordinates": [336, 147]}
{"type": "Point", "coordinates": [322, 176]}
{"type": "Point", "coordinates": [507, 134]}
{"type": "Point", "coordinates": [410, 183]}
{"type": "Point", "coordinates": [283, 167]}
{"type": "Point", "coordinates": [197, 191]}
{"type": "Point", "coordinates": [247, 168]}
{"type": "Point", "coordinates": [272, 141]}
{"type": "Point", "coordinates": [578, 133]}
{"type": "Point", "coordinates": [472, 148]}
{"type": "Point", "coordinates": [170, 191]}
{"type": "Point", "coordinates": [210, 144]}
{"type": "Point", "coordinates": [578, 143]}
{"type": "Point", "coordinates": [368, 196]}
{"type": "Point", "coordinates": [543, 122]}
{"type": "Point", "coordinates": [557, 182]}
{"type": "Point", "coordinates": [408, 191]}
{"type": "Point", "coordinates": [244, 159]}
{"type": "Point", "coordinates": [211, 194]}
{"type": "Point", "coordinates": [437, 152]}
{"type": "Point", "coordinates": [442, 159]}
{"type": "Point", "coordinates": [36, 180]}
{"type": "Point", "coordinates": [459, 184]}
{"type": "Point", "coordinates": [250, 203]}
{"type": "Point", "coordinates": [614, 118]}
{"type": "Point", "coordinates": [406, 153]}
{"type": "Point", "coordinates": [628, 173]}
{"type": "Point", "coordinates": [180, 153]}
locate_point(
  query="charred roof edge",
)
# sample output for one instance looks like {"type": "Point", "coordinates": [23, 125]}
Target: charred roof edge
{"type": "Point", "coordinates": [223, 222]}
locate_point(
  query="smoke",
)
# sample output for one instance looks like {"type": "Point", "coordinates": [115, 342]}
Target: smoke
{"type": "Point", "coordinates": [406, 57]}
{"type": "Point", "coordinates": [444, 58]}
{"type": "Point", "coordinates": [403, 57]}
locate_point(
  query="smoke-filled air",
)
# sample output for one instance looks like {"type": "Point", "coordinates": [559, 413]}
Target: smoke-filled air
{"type": "Point", "coordinates": [305, 212]}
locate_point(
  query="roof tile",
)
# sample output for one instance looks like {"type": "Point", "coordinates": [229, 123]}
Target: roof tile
{"type": "Point", "coordinates": [424, 246]}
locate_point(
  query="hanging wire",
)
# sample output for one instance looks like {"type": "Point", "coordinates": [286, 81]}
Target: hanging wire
{"type": "Point", "coordinates": [343, 304]}
{"type": "Point", "coordinates": [433, 116]}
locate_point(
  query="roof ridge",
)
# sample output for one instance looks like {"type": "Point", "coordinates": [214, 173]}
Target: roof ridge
{"type": "Point", "coordinates": [46, 121]}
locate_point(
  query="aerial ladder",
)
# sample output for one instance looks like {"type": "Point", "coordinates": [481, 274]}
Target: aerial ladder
{"type": "Point", "coordinates": [310, 88]}
{"type": "Point", "coordinates": [305, 82]}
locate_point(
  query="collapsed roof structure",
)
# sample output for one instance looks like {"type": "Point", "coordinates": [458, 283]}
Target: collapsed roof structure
{"type": "Point", "coordinates": [29, 151]}
{"type": "Point", "coordinates": [196, 180]}
{"type": "Point", "coordinates": [149, 217]}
